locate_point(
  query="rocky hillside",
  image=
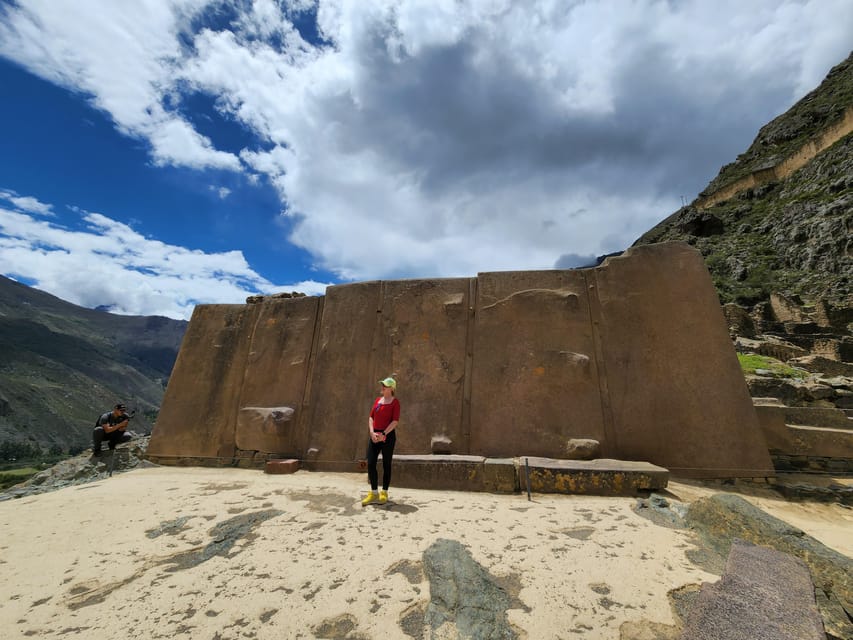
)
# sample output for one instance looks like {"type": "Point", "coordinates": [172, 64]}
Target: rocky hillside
{"type": "Point", "coordinates": [776, 230]}
{"type": "Point", "coordinates": [780, 218]}
{"type": "Point", "coordinates": [62, 365]}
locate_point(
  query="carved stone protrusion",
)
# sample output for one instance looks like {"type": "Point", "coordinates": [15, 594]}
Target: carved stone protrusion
{"type": "Point", "coordinates": [583, 449]}
{"type": "Point", "coordinates": [441, 445]}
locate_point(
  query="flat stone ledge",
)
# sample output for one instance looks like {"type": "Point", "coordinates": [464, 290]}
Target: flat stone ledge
{"type": "Point", "coordinates": [507, 475]}
{"type": "Point", "coordinates": [440, 472]}
{"type": "Point", "coordinates": [593, 477]}
{"type": "Point", "coordinates": [475, 473]}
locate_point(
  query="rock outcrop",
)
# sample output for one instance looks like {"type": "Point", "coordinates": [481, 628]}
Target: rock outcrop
{"type": "Point", "coordinates": [780, 218]}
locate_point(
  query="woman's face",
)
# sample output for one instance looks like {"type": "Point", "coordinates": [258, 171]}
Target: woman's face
{"type": "Point", "coordinates": [387, 391]}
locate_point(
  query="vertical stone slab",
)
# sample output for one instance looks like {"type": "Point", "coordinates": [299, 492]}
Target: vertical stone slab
{"type": "Point", "coordinates": [676, 391]}
{"type": "Point", "coordinates": [535, 375]}
{"type": "Point", "coordinates": [199, 410]}
{"type": "Point", "coordinates": [344, 379]}
{"type": "Point", "coordinates": [421, 337]}
{"type": "Point", "coordinates": [276, 375]}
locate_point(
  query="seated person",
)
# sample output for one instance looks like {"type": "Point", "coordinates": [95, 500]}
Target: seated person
{"type": "Point", "coordinates": [112, 426]}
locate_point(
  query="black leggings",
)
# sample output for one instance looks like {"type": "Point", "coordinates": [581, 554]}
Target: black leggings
{"type": "Point", "coordinates": [114, 437]}
{"type": "Point", "coordinates": [373, 450]}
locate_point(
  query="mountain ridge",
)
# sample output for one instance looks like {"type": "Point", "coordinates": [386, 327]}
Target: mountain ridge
{"type": "Point", "coordinates": [64, 364]}
{"type": "Point", "coordinates": [785, 232]}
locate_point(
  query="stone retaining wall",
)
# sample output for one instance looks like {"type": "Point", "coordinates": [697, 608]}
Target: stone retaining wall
{"type": "Point", "coordinates": [634, 353]}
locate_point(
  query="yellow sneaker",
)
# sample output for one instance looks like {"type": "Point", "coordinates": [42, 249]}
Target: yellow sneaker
{"type": "Point", "coordinates": [383, 497]}
{"type": "Point", "coordinates": [371, 497]}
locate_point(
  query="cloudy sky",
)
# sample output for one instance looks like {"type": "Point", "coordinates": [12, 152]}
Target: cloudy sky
{"type": "Point", "coordinates": [156, 154]}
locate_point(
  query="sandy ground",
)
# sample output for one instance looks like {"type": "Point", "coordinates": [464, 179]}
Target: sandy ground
{"type": "Point", "coordinates": [227, 553]}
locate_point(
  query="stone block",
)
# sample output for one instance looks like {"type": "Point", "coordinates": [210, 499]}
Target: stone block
{"type": "Point", "coordinates": [533, 347]}
{"type": "Point", "coordinates": [820, 442]}
{"type": "Point", "coordinates": [829, 418]}
{"type": "Point", "coordinates": [500, 475]}
{"type": "Point", "coordinates": [441, 445]}
{"type": "Point", "coordinates": [819, 364]}
{"type": "Point", "coordinates": [582, 449]}
{"type": "Point", "coordinates": [593, 477]}
{"type": "Point", "coordinates": [682, 413]}
{"type": "Point", "coordinates": [281, 466]}
{"type": "Point", "coordinates": [199, 412]}
{"type": "Point", "coordinates": [459, 473]}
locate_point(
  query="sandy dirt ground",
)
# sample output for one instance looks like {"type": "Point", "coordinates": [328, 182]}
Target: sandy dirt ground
{"type": "Point", "coordinates": [216, 554]}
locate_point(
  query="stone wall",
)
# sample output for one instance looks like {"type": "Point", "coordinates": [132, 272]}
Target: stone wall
{"type": "Point", "coordinates": [634, 353]}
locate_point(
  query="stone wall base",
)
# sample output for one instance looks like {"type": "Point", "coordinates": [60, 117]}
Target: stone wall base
{"type": "Point", "coordinates": [471, 473]}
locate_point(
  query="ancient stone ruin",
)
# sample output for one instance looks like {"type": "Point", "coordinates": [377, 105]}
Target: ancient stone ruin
{"type": "Point", "coordinates": [634, 354]}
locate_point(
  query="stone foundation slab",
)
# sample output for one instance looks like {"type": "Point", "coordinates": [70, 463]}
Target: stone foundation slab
{"type": "Point", "coordinates": [592, 477]}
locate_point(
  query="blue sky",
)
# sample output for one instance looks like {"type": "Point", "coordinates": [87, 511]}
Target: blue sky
{"type": "Point", "coordinates": [162, 154]}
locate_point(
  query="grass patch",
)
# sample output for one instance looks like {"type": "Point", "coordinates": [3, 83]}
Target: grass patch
{"type": "Point", "coordinates": [749, 362]}
{"type": "Point", "coordinates": [14, 476]}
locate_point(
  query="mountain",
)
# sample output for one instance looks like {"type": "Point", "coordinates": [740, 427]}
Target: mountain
{"type": "Point", "coordinates": [62, 365]}
{"type": "Point", "coordinates": [779, 219]}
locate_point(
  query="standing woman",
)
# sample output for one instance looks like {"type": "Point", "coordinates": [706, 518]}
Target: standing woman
{"type": "Point", "coordinates": [382, 425]}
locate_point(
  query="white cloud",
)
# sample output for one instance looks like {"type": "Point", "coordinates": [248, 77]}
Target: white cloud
{"type": "Point", "coordinates": [433, 137]}
{"type": "Point", "coordinates": [27, 203]}
{"type": "Point", "coordinates": [123, 55]}
{"type": "Point", "coordinates": [109, 263]}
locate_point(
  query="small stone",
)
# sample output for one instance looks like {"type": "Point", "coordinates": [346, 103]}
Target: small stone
{"type": "Point", "coordinates": [441, 445]}
{"type": "Point", "coordinates": [582, 449]}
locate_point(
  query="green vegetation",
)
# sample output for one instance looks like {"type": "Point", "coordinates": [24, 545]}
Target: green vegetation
{"type": "Point", "coordinates": [749, 362]}
{"type": "Point", "coordinates": [14, 476]}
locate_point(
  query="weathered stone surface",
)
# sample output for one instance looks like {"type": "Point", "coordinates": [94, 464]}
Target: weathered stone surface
{"type": "Point", "coordinates": [816, 391]}
{"type": "Point", "coordinates": [533, 347]}
{"type": "Point", "coordinates": [803, 439]}
{"type": "Point", "coordinates": [770, 346]}
{"type": "Point", "coordinates": [275, 376]}
{"type": "Point", "coordinates": [449, 472]}
{"type": "Point", "coordinates": [789, 391]}
{"type": "Point", "coordinates": [198, 417]}
{"type": "Point", "coordinates": [263, 428]}
{"type": "Point", "coordinates": [502, 365]}
{"type": "Point", "coordinates": [823, 365]}
{"type": "Point", "coordinates": [415, 328]}
{"type": "Point", "coordinates": [763, 594]}
{"type": "Point", "coordinates": [739, 321]}
{"type": "Point", "coordinates": [282, 466]}
{"type": "Point", "coordinates": [700, 404]}
{"type": "Point", "coordinates": [582, 449]}
{"type": "Point", "coordinates": [441, 445]}
{"type": "Point", "coordinates": [817, 417]}
{"type": "Point", "coordinates": [465, 600]}
{"type": "Point", "coordinates": [822, 442]}
{"type": "Point", "coordinates": [721, 518]}
{"type": "Point", "coordinates": [500, 475]}
{"type": "Point", "coordinates": [83, 468]}
{"type": "Point", "coordinates": [594, 477]}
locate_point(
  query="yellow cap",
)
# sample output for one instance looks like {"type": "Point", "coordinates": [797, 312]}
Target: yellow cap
{"type": "Point", "coordinates": [389, 382]}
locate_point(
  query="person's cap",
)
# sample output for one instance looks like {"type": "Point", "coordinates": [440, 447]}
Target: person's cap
{"type": "Point", "coordinates": [120, 407]}
{"type": "Point", "coordinates": [389, 382]}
